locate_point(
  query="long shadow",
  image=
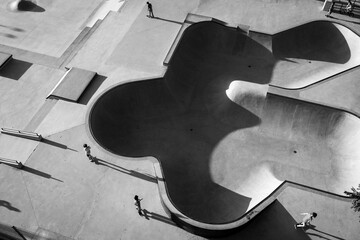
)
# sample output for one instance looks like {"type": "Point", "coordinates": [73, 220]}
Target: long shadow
{"type": "Point", "coordinates": [168, 20]}
{"type": "Point", "coordinates": [14, 69]}
{"type": "Point", "coordinates": [8, 205]}
{"type": "Point", "coordinates": [321, 235]}
{"type": "Point", "coordinates": [29, 6]}
{"type": "Point", "coordinates": [320, 41]}
{"type": "Point", "coordinates": [8, 35]}
{"type": "Point", "coordinates": [157, 217]}
{"type": "Point", "coordinates": [8, 232]}
{"type": "Point", "coordinates": [133, 173]}
{"type": "Point", "coordinates": [56, 144]}
{"type": "Point", "coordinates": [39, 173]}
{"type": "Point", "coordinates": [273, 223]}
{"type": "Point", "coordinates": [91, 89]}
{"type": "Point", "coordinates": [181, 118]}
{"type": "Point", "coordinates": [12, 28]}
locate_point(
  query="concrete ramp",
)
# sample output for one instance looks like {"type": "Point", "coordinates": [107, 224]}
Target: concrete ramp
{"type": "Point", "coordinates": [72, 84]}
{"type": "Point", "coordinates": [312, 52]}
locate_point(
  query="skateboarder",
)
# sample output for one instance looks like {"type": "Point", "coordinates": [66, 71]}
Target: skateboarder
{"type": "Point", "coordinates": [349, 7]}
{"type": "Point", "coordinates": [308, 217]}
{"type": "Point", "coordinates": [137, 204]}
{"type": "Point", "coordinates": [88, 152]}
{"type": "Point", "coordinates": [150, 9]}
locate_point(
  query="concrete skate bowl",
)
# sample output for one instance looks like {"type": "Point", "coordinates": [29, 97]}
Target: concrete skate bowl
{"type": "Point", "coordinates": [223, 144]}
{"type": "Point", "coordinates": [312, 52]}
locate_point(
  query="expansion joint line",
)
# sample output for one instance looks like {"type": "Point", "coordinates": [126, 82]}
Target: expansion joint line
{"type": "Point", "coordinates": [31, 203]}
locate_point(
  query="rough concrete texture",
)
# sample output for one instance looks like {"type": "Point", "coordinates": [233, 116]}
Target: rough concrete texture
{"type": "Point", "coordinates": [61, 195]}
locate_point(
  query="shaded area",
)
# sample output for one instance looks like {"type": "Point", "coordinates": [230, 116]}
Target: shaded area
{"type": "Point", "coordinates": [146, 177]}
{"type": "Point", "coordinates": [14, 69]}
{"type": "Point", "coordinates": [168, 20]}
{"type": "Point", "coordinates": [273, 223]}
{"type": "Point", "coordinates": [320, 41]}
{"type": "Point", "coordinates": [29, 6]}
{"type": "Point", "coordinates": [312, 231]}
{"type": "Point", "coordinates": [208, 142]}
{"type": "Point", "coordinates": [8, 35]}
{"type": "Point", "coordinates": [151, 215]}
{"type": "Point", "coordinates": [8, 205]}
{"type": "Point", "coordinates": [91, 89]}
{"type": "Point", "coordinates": [16, 29]}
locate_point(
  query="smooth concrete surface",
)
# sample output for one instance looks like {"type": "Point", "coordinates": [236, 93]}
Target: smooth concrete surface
{"type": "Point", "coordinates": [340, 92]}
{"type": "Point", "coordinates": [24, 89]}
{"type": "Point", "coordinates": [213, 143]}
{"type": "Point", "coordinates": [61, 194]}
{"type": "Point", "coordinates": [16, 148]}
{"type": "Point", "coordinates": [50, 28]}
{"type": "Point", "coordinates": [312, 52]}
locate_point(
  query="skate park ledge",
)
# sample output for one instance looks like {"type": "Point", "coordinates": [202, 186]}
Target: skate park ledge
{"type": "Point", "coordinates": [219, 230]}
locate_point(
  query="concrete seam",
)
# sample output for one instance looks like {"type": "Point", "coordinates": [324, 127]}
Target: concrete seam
{"type": "Point", "coordinates": [31, 202]}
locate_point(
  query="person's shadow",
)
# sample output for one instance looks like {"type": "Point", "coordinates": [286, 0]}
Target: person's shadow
{"type": "Point", "coordinates": [151, 215]}
{"type": "Point", "coordinates": [144, 176]}
{"type": "Point", "coordinates": [321, 234]}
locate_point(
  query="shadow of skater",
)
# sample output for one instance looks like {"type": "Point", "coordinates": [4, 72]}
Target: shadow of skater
{"type": "Point", "coordinates": [8, 205]}
{"type": "Point", "coordinates": [158, 217]}
{"type": "Point", "coordinates": [168, 20]}
{"type": "Point", "coordinates": [313, 227]}
{"type": "Point", "coordinates": [133, 173]}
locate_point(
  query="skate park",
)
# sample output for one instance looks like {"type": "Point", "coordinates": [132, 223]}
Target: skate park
{"type": "Point", "coordinates": [221, 125]}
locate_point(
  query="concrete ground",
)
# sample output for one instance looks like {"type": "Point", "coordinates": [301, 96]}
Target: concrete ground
{"type": "Point", "coordinates": [60, 194]}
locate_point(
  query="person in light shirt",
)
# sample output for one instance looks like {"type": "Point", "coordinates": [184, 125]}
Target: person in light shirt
{"type": "Point", "coordinates": [308, 217]}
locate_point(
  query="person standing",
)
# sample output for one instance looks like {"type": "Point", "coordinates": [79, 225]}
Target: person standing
{"type": "Point", "coordinates": [150, 9]}
{"type": "Point", "coordinates": [308, 217]}
{"type": "Point", "coordinates": [88, 152]}
{"type": "Point", "coordinates": [138, 204]}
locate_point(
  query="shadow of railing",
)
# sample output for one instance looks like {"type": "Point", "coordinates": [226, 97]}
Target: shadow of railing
{"type": "Point", "coordinates": [56, 144]}
{"type": "Point", "coordinates": [39, 173]}
{"type": "Point", "coordinates": [9, 206]}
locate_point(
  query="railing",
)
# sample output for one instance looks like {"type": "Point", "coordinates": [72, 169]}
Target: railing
{"type": "Point", "coordinates": [11, 162]}
{"type": "Point", "coordinates": [24, 134]}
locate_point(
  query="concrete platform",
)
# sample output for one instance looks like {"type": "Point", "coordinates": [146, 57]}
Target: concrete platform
{"type": "Point", "coordinates": [72, 85]}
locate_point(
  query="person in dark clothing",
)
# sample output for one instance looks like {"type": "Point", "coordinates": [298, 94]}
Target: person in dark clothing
{"type": "Point", "coordinates": [150, 9]}
{"type": "Point", "coordinates": [137, 204]}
